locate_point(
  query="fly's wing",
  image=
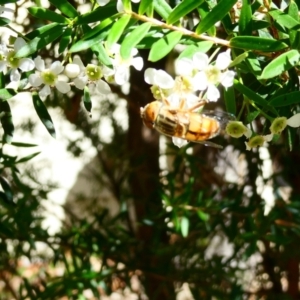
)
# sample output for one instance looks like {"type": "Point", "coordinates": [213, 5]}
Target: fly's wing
{"type": "Point", "coordinates": [209, 144]}
{"type": "Point", "coordinates": [221, 116]}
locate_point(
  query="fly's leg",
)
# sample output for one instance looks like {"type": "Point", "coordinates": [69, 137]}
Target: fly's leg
{"type": "Point", "coordinates": [197, 105]}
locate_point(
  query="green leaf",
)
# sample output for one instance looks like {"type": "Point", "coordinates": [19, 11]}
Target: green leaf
{"type": "Point", "coordinates": [4, 21]}
{"type": "Point", "coordinates": [294, 35]}
{"type": "Point", "coordinates": [31, 35]}
{"type": "Point", "coordinates": [162, 8]}
{"type": "Point", "coordinates": [204, 10]}
{"type": "Point", "coordinates": [250, 94]}
{"type": "Point", "coordinates": [88, 43]}
{"type": "Point", "coordinates": [99, 14]}
{"type": "Point", "coordinates": [65, 7]}
{"type": "Point", "coordinates": [215, 15]}
{"type": "Point", "coordinates": [164, 46]}
{"type": "Point", "coordinates": [133, 39]}
{"type": "Point", "coordinates": [43, 114]}
{"type": "Point", "coordinates": [284, 19]}
{"type": "Point", "coordinates": [252, 116]}
{"type": "Point", "coordinates": [146, 6]}
{"type": "Point", "coordinates": [101, 54]}
{"type": "Point", "coordinates": [6, 94]}
{"type": "Point", "coordinates": [47, 14]}
{"type": "Point", "coordinates": [245, 20]}
{"type": "Point", "coordinates": [117, 30]}
{"type": "Point", "coordinates": [257, 43]}
{"type": "Point", "coordinates": [282, 63]}
{"type": "Point", "coordinates": [28, 157]}
{"type": "Point", "coordinates": [229, 98]}
{"type": "Point", "coordinates": [90, 33]}
{"type": "Point", "coordinates": [189, 51]}
{"type": "Point", "coordinates": [6, 121]}
{"type": "Point", "coordinates": [40, 41]}
{"type": "Point", "coordinates": [6, 188]}
{"type": "Point", "coordinates": [182, 9]}
{"type": "Point", "coordinates": [239, 59]}
{"type": "Point", "coordinates": [25, 145]}
{"type": "Point", "coordinates": [286, 99]}
{"type": "Point", "coordinates": [202, 215]}
{"type": "Point", "coordinates": [185, 223]}
{"type": "Point", "coordinates": [87, 99]}
{"type": "Point", "coordinates": [65, 40]}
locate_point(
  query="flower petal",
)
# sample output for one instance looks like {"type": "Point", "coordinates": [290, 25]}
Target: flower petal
{"type": "Point", "coordinates": [120, 6]}
{"type": "Point", "coordinates": [26, 64]}
{"type": "Point", "coordinates": [164, 80]}
{"type": "Point", "coordinates": [149, 75]}
{"type": "Point", "coordinates": [223, 60]}
{"type": "Point", "coordinates": [122, 75]}
{"type": "Point", "coordinates": [56, 67]}
{"type": "Point", "coordinates": [294, 121]}
{"type": "Point", "coordinates": [35, 80]}
{"type": "Point", "coordinates": [3, 67]}
{"type": "Point", "coordinates": [62, 86]}
{"type": "Point", "coordinates": [200, 61]}
{"type": "Point", "coordinates": [102, 87]}
{"type": "Point", "coordinates": [184, 66]}
{"type": "Point", "coordinates": [44, 92]}
{"type": "Point", "coordinates": [137, 63]}
{"type": "Point", "coordinates": [200, 81]}
{"type": "Point", "coordinates": [227, 78]}
{"type": "Point", "coordinates": [19, 43]}
{"type": "Point", "coordinates": [102, 2]}
{"type": "Point", "coordinates": [39, 63]}
{"type": "Point", "coordinates": [15, 75]}
{"type": "Point", "coordinates": [213, 93]}
{"type": "Point", "coordinates": [80, 82]}
{"type": "Point", "coordinates": [77, 60]}
{"type": "Point", "coordinates": [179, 142]}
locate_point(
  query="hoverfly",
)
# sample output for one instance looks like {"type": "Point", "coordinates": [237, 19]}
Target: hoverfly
{"type": "Point", "coordinates": [186, 124]}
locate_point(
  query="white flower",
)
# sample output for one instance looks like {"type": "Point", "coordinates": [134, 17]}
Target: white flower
{"type": "Point", "coordinates": [258, 141]}
{"type": "Point", "coordinates": [48, 77]}
{"type": "Point", "coordinates": [102, 2]}
{"type": "Point", "coordinates": [159, 78]}
{"type": "Point", "coordinates": [120, 6]}
{"type": "Point", "coordinates": [91, 74]}
{"type": "Point", "coordinates": [121, 66]}
{"type": "Point", "coordinates": [211, 75]}
{"type": "Point", "coordinates": [280, 123]}
{"type": "Point", "coordinates": [8, 60]}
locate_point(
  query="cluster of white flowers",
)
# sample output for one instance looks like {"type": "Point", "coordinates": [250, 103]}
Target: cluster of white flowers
{"type": "Point", "coordinates": [77, 74]}
{"type": "Point", "coordinates": [195, 74]}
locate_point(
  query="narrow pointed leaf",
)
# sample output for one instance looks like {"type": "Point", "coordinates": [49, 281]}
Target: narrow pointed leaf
{"type": "Point", "coordinates": [65, 40]}
{"type": "Point", "coordinates": [40, 41]}
{"type": "Point", "coordinates": [203, 11]}
{"type": "Point", "coordinates": [25, 145]}
{"type": "Point", "coordinates": [257, 43]}
{"type": "Point", "coordinates": [230, 102]}
{"type": "Point", "coordinates": [146, 6]}
{"type": "Point", "coordinates": [6, 94]}
{"type": "Point", "coordinates": [28, 157]}
{"type": "Point", "coordinates": [162, 8]}
{"type": "Point", "coordinates": [65, 7]}
{"type": "Point", "coordinates": [133, 39]}
{"type": "Point", "coordinates": [215, 15]}
{"type": "Point", "coordinates": [47, 14]}
{"type": "Point", "coordinates": [101, 54]}
{"type": "Point", "coordinates": [164, 46]}
{"type": "Point", "coordinates": [117, 30]}
{"type": "Point", "coordinates": [286, 99]}
{"type": "Point", "coordinates": [6, 121]}
{"type": "Point", "coordinates": [182, 9]}
{"type": "Point", "coordinates": [284, 19]}
{"type": "Point", "coordinates": [99, 14]}
{"type": "Point", "coordinates": [43, 114]}
{"type": "Point", "coordinates": [250, 94]}
{"type": "Point", "coordinates": [4, 21]}
{"type": "Point", "coordinates": [282, 63]}
{"type": "Point", "coordinates": [6, 188]}
{"type": "Point", "coordinates": [39, 31]}
{"type": "Point", "coordinates": [88, 43]}
{"type": "Point", "coordinates": [189, 51]}
{"type": "Point", "coordinates": [245, 20]}
{"type": "Point", "coordinates": [87, 99]}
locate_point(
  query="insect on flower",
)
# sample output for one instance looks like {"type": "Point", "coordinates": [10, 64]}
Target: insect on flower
{"type": "Point", "coordinates": [187, 124]}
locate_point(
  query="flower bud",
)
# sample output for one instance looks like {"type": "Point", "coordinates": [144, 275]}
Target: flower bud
{"type": "Point", "coordinates": [72, 70]}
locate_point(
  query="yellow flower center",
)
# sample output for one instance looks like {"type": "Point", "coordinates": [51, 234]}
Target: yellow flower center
{"type": "Point", "coordinates": [48, 77]}
{"type": "Point", "coordinates": [213, 74]}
